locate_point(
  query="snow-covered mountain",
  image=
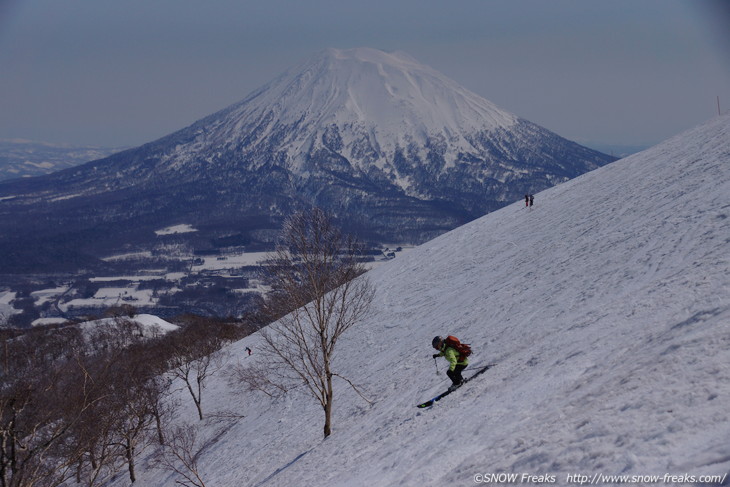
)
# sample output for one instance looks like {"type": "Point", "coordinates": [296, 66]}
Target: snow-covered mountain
{"type": "Point", "coordinates": [24, 158]}
{"type": "Point", "coordinates": [397, 150]}
{"type": "Point", "coordinates": [605, 306]}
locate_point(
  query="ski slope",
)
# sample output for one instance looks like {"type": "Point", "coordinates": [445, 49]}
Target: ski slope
{"type": "Point", "coordinates": [606, 307]}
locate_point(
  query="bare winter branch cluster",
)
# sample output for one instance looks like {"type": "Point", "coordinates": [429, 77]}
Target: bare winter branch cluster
{"type": "Point", "coordinates": [81, 404]}
{"type": "Point", "coordinates": [318, 293]}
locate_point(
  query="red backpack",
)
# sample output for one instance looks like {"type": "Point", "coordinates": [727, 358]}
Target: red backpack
{"type": "Point", "coordinates": [463, 348]}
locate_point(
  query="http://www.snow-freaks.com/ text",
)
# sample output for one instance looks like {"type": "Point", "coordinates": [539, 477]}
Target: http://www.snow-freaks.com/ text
{"type": "Point", "coordinates": [597, 479]}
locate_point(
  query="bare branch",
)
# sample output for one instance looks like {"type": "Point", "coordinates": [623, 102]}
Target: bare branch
{"type": "Point", "coordinates": [318, 294]}
{"type": "Point", "coordinates": [182, 455]}
{"type": "Point", "coordinates": [355, 388]}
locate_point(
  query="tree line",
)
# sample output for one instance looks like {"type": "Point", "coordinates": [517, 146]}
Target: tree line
{"type": "Point", "coordinates": [78, 405]}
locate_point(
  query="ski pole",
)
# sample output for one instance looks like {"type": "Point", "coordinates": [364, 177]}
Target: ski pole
{"type": "Point", "coordinates": [437, 365]}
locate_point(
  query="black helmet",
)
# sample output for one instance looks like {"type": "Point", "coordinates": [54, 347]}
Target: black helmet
{"type": "Point", "coordinates": [436, 342]}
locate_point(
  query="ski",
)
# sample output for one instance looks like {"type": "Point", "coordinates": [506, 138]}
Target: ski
{"type": "Point", "coordinates": [430, 402]}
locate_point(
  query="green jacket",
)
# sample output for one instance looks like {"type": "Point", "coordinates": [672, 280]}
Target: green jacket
{"type": "Point", "coordinates": [452, 355]}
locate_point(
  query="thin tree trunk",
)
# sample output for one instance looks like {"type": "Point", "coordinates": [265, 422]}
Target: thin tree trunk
{"type": "Point", "coordinates": [328, 407]}
{"type": "Point", "coordinates": [196, 399]}
{"type": "Point", "coordinates": [160, 434]}
{"type": "Point", "coordinates": [130, 460]}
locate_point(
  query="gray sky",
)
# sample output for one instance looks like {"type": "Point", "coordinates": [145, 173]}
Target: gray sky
{"type": "Point", "coordinates": [126, 72]}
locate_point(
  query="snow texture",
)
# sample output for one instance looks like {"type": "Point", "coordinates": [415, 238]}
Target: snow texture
{"type": "Point", "coordinates": [389, 99]}
{"type": "Point", "coordinates": [606, 307]}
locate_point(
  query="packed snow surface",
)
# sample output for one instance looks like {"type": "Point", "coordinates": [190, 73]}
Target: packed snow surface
{"type": "Point", "coordinates": [606, 307]}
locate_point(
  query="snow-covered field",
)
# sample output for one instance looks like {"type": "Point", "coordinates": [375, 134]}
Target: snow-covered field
{"type": "Point", "coordinates": [149, 324]}
{"type": "Point", "coordinates": [113, 296]}
{"type": "Point", "coordinates": [231, 261]}
{"type": "Point", "coordinates": [175, 229]}
{"type": "Point", "coordinates": [45, 295]}
{"type": "Point", "coordinates": [606, 307]}
{"type": "Point", "coordinates": [129, 256]}
{"type": "Point", "coordinates": [135, 293]}
{"type": "Point", "coordinates": [6, 308]}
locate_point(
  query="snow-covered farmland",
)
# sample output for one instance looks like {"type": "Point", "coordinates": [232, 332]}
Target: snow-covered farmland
{"type": "Point", "coordinates": [182, 228]}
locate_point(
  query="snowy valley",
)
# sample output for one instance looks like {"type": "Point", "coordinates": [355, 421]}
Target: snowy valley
{"type": "Point", "coordinates": [169, 281]}
{"type": "Point", "coordinates": [397, 151]}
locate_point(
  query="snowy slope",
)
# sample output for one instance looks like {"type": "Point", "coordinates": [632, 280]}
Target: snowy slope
{"type": "Point", "coordinates": [606, 307]}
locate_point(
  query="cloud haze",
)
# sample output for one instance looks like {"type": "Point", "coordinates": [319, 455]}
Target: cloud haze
{"type": "Point", "coordinates": [125, 73]}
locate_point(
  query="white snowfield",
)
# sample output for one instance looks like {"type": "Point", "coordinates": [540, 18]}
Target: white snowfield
{"type": "Point", "coordinates": [381, 102]}
{"type": "Point", "coordinates": [606, 307]}
{"type": "Point", "coordinates": [175, 229]}
{"type": "Point", "coordinates": [150, 325]}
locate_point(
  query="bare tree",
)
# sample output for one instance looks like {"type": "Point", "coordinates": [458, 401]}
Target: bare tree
{"type": "Point", "coordinates": [196, 355]}
{"type": "Point", "coordinates": [45, 392]}
{"type": "Point", "coordinates": [92, 442]}
{"type": "Point", "coordinates": [256, 377]}
{"type": "Point", "coordinates": [181, 455]}
{"type": "Point", "coordinates": [318, 294]}
{"type": "Point", "coordinates": [136, 396]}
{"type": "Point", "coordinates": [100, 456]}
{"type": "Point", "coordinates": [73, 404]}
{"type": "Point", "coordinates": [38, 414]}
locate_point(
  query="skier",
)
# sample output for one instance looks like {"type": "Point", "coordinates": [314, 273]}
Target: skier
{"type": "Point", "coordinates": [451, 354]}
{"type": "Point", "coordinates": [532, 199]}
{"type": "Point", "coordinates": [249, 350]}
{"type": "Point", "coordinates": [527, 200]}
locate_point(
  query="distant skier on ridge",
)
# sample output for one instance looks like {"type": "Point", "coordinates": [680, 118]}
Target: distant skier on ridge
{"type": "Point", "coordinates": [456, 353]}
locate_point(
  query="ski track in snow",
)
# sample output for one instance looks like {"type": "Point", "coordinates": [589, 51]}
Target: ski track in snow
{"type": "Point", "coordinates": [606, 307]}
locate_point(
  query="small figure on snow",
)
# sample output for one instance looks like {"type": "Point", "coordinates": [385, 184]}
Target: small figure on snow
{"type": "Point", "coordinates": [527, 200]}
{"type": "Point", "coordinates": [249, 350]}
{"type": "Point", "coordinates": [456, 353]}
{"type": "Point", "coordinates": [532, 199]}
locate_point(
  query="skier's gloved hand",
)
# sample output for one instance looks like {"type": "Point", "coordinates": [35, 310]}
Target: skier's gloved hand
{"type": "Point", "coordinates": [436, 355]}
